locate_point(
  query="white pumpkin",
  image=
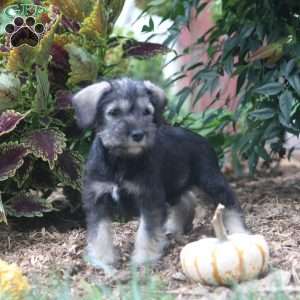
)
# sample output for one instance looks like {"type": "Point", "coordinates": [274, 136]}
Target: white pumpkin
{"type": "Point", "coordinates": [226, 259]}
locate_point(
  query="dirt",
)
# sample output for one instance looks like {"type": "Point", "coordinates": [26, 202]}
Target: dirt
{"type": "Point", "coordinates": [271, 204]}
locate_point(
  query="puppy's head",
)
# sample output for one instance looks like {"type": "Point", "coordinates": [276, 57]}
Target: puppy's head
{"type": "Point", "coordinates": [125, 113]}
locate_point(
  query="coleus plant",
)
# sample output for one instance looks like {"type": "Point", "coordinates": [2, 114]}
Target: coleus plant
{"type": "Point", "coordinates": [41, 148]}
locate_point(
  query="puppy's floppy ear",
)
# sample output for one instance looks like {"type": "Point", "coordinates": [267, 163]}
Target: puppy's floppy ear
{"type": "Point", "coordinates": [85, 102]}
{"type": "Point", "coordinates": [159, 98]}
{"type": "Point", "coordinates": [159, 101]}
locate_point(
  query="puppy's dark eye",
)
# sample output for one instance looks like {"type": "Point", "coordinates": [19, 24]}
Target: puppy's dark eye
{"type": "Point", "coordinates": [115, 112]}
{"type": "Point", "coordinates": [147, 112]}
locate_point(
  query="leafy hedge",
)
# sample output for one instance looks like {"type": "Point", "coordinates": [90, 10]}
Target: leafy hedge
{"type": "Point", "coordinates": [41, 148]}
{"type": "Point", "coordinates": [258, 41]}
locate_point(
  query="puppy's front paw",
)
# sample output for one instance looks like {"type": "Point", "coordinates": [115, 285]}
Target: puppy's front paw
{"type": "Point", "coordinates": [149, 252]}
{"type": "Point", "coordinates": [145, 257]}
{"type": "Point", "coordinates": [108, 262]}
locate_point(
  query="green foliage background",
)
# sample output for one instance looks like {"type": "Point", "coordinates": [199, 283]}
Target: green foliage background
{"type": "Point", "coordinates": [41, 147]}
{"type": "Point", "coordinates": [258, 41]}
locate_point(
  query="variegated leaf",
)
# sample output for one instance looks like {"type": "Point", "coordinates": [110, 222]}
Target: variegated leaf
{"type": "Point", "coordinates": [2, 212]}
{"type": "Point", "coordinates": [9, 90]}
{"type": "Point", "coordinates": [46, 144]}
{"type": "Point", "coordinates": [11, 158]}
{"type": "Point", "coordinates": [96, 23]}
{"type": "Point", "coordinates": [68, 168]}
{"type": "Point", "coordinates": [63, 39]}
{"type": "Point", "coordinates": [9, 121]}
{"type": "Point", "coordinates": [23, 172]}
{"type": "Point", "coordinates": [20, 58]}
{"type": "Point", "coordinates": [42, 51]}
{"type": "Point", "coordinates": [74, 9]}
{"type": "Point", "coordinates": [83, 65]}
{"type": "Point", "coordinates": [27, 205]}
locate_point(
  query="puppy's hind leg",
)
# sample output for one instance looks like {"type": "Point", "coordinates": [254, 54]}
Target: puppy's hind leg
{"type": "Point", "coordinates": [181, 216]}
{"type": "Point", "coordinates": [216, 186]}
{"type": "Point", "coordinates": [150, 239]}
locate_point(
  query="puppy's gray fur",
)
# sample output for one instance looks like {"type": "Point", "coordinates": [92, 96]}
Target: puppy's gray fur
{"type": "Point", "coordinates": [144, 167]}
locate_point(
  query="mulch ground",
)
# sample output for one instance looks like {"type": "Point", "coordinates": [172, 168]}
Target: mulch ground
{"type": "Point", "coordinates": [271, 204]}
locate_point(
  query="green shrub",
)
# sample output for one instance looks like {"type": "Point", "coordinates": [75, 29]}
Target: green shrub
{"type": "Point", "coordinates": [41, 148]}
{"type": "Point", "coordinates": [257, 41]}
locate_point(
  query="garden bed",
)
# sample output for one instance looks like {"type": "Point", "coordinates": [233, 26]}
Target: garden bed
{"type": "Point", "coordinates": [271, 204]}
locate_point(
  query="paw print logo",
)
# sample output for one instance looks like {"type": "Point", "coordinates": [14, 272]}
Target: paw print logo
{"type": "Point", "coordinates": [24, 31]}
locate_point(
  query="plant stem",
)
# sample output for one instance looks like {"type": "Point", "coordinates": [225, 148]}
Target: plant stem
{"type": "Point", "coordinates": [218, 225]}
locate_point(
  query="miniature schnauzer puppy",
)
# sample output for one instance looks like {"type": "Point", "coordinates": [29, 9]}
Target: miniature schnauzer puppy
{"type": "Point", "coordinates": [144, 167]}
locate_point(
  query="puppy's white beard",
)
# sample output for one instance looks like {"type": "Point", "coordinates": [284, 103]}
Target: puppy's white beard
{"type": "Point", "coordinates": [100, 249]}
{"type": "Point", "coordinates": [134, 150]}
{"type": "Point", "coordinates": [148, 248]}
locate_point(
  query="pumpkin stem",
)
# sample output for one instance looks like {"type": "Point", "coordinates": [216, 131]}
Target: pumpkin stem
{"type": "Point", "coordinates": [218, 225]}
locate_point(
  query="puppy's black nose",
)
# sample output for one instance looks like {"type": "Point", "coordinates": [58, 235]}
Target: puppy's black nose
{"type": "Point", "coordinates": [137, 135]}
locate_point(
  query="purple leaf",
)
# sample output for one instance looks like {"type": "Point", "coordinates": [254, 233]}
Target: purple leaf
{"type": "Point", "coordinates": [4, 49]}
{"type": "Point", "coordinates": [9, 120]}
{"type": "Point", "coordinates": [63, 99]}
{"type": "Point", "coordinates": [60, 56]}
{"type": "Point", "coordinates": [69, 24]}
{"type": "Point", "coordinates": [27, 205]}
{"type": "Point", "coordinates": [69, 168]}
{"type": "Point", "coordinates": [46, 144]}
{"type": "Point", "coordinates": [11, 158]}
{"type": "Point", "coordinates": [59, 67]}
{"type": "Point", "coordinates": [143, 49]}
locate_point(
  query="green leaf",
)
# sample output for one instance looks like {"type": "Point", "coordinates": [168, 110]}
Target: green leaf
{"type": "Point", "coordinates": [10, 87]}
{"type": "Point", "coordinates": [272, 130]}
{"type": "Point", "coordinates": [262, 152]}
{"type": "Point", "coordinates": [286, 101]}
{"type": "Point", "coordinates": [270, 89]}
{"type": "Point", "coordinates": [75, 10]}
{"type": "Point", "coordinates": [252, 162]}
{"type": "Point", "coordinates": [42, 51]}
{"type": "Point", "coordinates": [262, 114]}
{"type": "Point", "coordinates": [150, 27]}
{"type": "Point", "coordinates": [42, 90]}
{"type": "Point", "coordinates": [294, 81]}
{"type": "Point", "coordinates": [83, 64]}
{"type": "Point", "coordinates": [289, 67]}
{"type": "Point", "coordinates": [96, 23]}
